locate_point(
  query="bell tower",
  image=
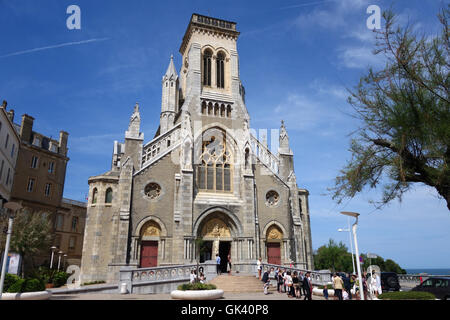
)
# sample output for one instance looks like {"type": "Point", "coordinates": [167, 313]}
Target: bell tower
{"type": "Point", "coordinates": [210, 70]}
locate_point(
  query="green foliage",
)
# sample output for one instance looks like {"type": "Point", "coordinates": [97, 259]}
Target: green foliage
{"type": "Point", "coordinates": [329, 286]}
{"type": "Point", "coordinates": [31, 234]}
{"type": "Point", "coordinates": [93, 282]}
{"type": "Point", "coordinates": [60, 278]}
{"type": "Point", "coordinates": [10, 279]}
{"type": "Point", "coordinates": [387, 265]}
{"type": "Point", "coordinates": [407, 295]}
{"type": "Point", "coordinates": [27, 285]}
{"type": "Point", "coordinates": [196, 286]}
{"type": "Point", "coordinates": [404, 109]}
{"type": "Point", "coordinates": [336, 258]}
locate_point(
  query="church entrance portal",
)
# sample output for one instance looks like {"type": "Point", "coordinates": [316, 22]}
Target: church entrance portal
{"type": "Point", "coordinates": [224, 251]}
{"type": "Point", "coordinates": [149, 254]}
{"type": "Point", "coordinates": [217, 239]}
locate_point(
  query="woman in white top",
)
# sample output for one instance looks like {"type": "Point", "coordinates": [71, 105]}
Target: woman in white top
{"type": "Point", "coordinates": [259, 267]}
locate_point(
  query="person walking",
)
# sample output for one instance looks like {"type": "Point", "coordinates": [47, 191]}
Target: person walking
{"type": "Point", "coordinates": [338, 286]}
{"type": "Point", "coordinates": [280, 281]}
{"type": "Point", "coordinates": [307, 286]}
{"type": "Point", "coordinates": [229, 264]}
{"type": "Point", "coordinates": [300, 283]}
{"type": "Point", "coordinates": [347, 285]}
{"type": "Point", "coordinates": [325, 292]}
{"type": "Point", "coordinates": [218, 264]}
{"type": "Point", "coordinates": [259, 268]}
{"type": "Point", "coordinates": [289, 284]}
{"type": "Point", "coordinates": [296, 284]}
{"type": "Point", "coordinates": [266, 280]}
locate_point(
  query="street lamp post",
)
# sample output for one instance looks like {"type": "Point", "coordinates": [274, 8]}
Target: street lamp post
{"type": "Point", "coordinates": [358, 264]}
{"type": "Point", "coordinates": [59, 259]}
{"type": "Point", "coordinates": [64, 261]}
{"type": "Point", "coordinates": [351, 245]}
{"type": "Point", "coordinates": [51, 260]}
{"type": "Point", "coordinates": [12, 207]}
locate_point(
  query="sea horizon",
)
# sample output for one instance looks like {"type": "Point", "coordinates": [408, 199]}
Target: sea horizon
{"type": "Point", "coordinates": [434, 271]}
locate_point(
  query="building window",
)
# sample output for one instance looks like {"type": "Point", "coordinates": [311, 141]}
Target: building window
{"type": "Point", "coordinates": [228, 111]}
{"type": "Point", "coordinates": [53, 147]}
{"type": "Point", "coordinates": [272, 198]}
{"type": "Point", "coordinates": [94, 196]}
{"type": "Point", "coordinates": [220, 70]}
{"type": "Point", "coordinates": [74, 224]}
{"type": "Point", "coordinates": [37, 142]}
{"type": "Point", "coordinates": [207, 55]}
{"type": "Point", "coordinates": [109, 195]}
{"type": "Point", "coordinates": [7, 176]}
{"type": "Point", "coordinates": [59, 222]}
{"type": "Point", "coordinates": [6, 142]}
{"type": "Point", "coordinates": [48, 188]}
{"type": "Point", "coordinates": [203, 107]}
{"type": "Point", "coordinates": [215, 171]}
{"type": "Point", "coordinates": [34, 162]}
{"type": "Point", "coordinates": [51, 167]}
{"type": "Point", "coordinates": [72, 242]}
{"type": "Point", "coordinates": [13, 148]}
{"type": "Point", "coordinates": [152, 190]}
{"type": "Point", "coordinates": [30, 185]}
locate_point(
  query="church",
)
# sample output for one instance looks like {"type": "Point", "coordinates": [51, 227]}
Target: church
{"type": "Point", "coordinates": [204, 184]}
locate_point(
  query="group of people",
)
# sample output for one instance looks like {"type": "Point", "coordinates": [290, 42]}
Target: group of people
{"type": "Point", "coordinates": [218, 264]}
{"type": "Point", "coordinates": [347, 287]}
{"type": "Point", "coordinates": [294, 284]}
{"type": "Point", "coordinates": [193, 277]}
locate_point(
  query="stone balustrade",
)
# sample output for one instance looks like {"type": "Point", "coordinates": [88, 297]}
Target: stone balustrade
{"type": "Point", "coordinates": [161, 279]}
{"type": "Point", "coordinates": [264, 155]}
{"type": "Point", "coordinates": [158, 146]}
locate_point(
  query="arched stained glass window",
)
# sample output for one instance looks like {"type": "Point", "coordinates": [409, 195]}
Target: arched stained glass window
{"type": "Point", "coordinates": [215, 169]}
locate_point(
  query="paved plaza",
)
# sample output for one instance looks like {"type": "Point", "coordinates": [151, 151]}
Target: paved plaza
{"type": "Point", "coordinates": [227, 296]}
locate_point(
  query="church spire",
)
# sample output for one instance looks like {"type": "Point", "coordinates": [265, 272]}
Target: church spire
{"type": "Point", "coordinates": [134, 127]}
{"type": "Point", "coordinates": [171, 73]}
{"type": "Point", "coordinates": [284, 140]}
{"type": "Point", "coordinates": [169, 101]}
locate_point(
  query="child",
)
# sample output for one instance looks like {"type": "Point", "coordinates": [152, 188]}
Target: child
{"type": "Point", "coordinates": [325, 292]}
{"type": "Point", "coordinates": [345, 294]}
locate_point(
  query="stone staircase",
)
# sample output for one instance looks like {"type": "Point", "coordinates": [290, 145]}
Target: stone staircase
{"type": "Point", "coordinates": [240, 283]}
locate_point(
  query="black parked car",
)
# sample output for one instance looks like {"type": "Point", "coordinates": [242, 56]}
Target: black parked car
{"type": "Point", "coordinates": [439, 286]}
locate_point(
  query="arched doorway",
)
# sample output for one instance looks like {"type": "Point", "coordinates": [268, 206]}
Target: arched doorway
{"type": "Point", "coordinates": [274, 240]}
{"type": "Point", "coordinates": [216, 233]}
{"type": "Point", "coordinates": [149, 236]}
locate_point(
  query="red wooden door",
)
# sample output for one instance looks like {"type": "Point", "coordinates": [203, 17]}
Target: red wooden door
{"type": "Point", "coordinates": [149, 254]}
{"type": "Point", "coordinates": [273, 253]}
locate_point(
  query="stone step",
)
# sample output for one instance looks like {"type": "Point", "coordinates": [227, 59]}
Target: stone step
{"type": "Point", "coordinates": [238, 283]}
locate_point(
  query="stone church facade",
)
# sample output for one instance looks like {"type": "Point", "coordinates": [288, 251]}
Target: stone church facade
{"type": "Point", "coordinates": [204, 176]}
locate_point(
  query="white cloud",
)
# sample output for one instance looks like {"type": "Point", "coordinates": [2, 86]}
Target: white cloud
{"type": "Point", "coordinates": [357, 57]}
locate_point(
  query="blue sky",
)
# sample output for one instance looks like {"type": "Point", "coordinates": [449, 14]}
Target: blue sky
{"type": "Point", "coordinates": [296, 57]}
